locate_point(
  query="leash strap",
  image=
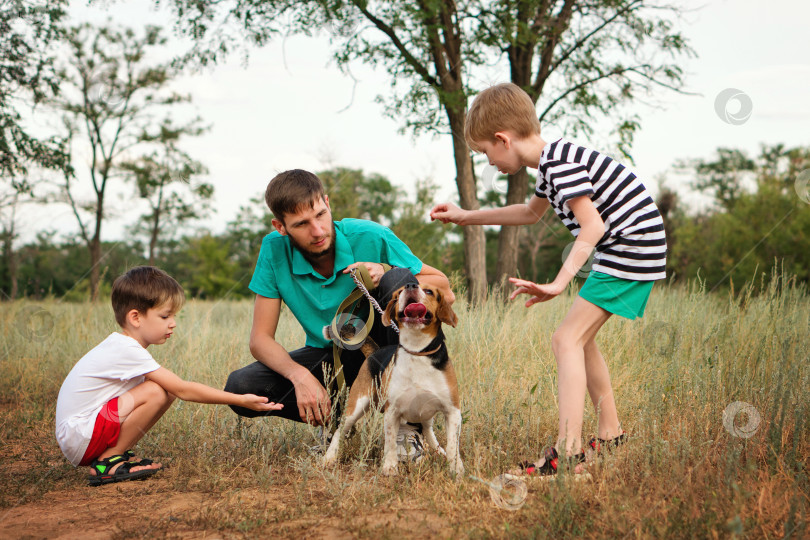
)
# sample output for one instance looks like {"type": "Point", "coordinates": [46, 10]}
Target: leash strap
{"type": "Point", "coordinates": [344, 314]}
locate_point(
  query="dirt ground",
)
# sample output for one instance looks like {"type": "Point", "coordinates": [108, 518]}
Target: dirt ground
{"type": "Point", "coordinates": [151, 509]}
{"type": "Point", "coordinates": [45, 497]}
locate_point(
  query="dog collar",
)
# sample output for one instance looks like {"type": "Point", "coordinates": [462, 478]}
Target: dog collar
{"type": "Point", "coordinates": [423, 353]}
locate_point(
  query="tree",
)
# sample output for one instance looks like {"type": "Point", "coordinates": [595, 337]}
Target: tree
{"type": "Point", "coordinates": [420, 44]}
{"type": "Point", "coordinates": [10, 200]}
{"type": "Point", "coordinates": [110, 88]}
{"type": "Point", "coordinates": [354, 194]}
{"type": "Point", "coordinates": [584, 58]}
{"type": "Point", "coordinates": [427, 239]}
{"type": "Point", "coordinates": [724, 177]}
{"type": "Point", "coordinates": [164, 179]}
{"type": "Point", "coordinates": [28, 31]}
{"type": "Point", "coordinates": [50, 267]}
{"type": "Point", "coordinates": [752, 228]}
{"type": "Point", "coordinates": [209, 267]}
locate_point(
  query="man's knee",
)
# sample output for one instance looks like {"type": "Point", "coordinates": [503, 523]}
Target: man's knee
{"type": "Point", "coordinates": [238, 382]}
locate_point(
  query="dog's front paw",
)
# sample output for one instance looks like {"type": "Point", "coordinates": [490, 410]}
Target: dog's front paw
{"type": "Point", "coordinates": [441, 451]}
{"type": "Point", "coordinates": [389, 470]}
{"type": "Point", "coordinates": [457, 468]}
{"type": "Point", "coordinates": [329, 459]}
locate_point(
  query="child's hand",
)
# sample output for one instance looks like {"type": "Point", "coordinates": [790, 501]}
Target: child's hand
{"type": "Point", "coordinates": [260, 403]}
{"type": "Point", "coordinates": [540, 293]}
{"type": "Point", "coordinates": [447, 213]}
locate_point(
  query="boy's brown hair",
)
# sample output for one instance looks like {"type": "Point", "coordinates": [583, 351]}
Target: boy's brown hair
{"type": "Point", "coordinates": [291, 190]}
{"type": "Point", "coordinates": [143, 288]}
{"type": "Point", "coordinates": [499, 108]}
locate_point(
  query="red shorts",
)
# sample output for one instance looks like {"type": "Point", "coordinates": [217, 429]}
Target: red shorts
{"type": "Point", "coordinates": [105, 432]}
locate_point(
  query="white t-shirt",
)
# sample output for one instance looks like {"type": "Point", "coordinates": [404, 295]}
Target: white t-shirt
{"type": "Point", "coordinates": [112, 368]}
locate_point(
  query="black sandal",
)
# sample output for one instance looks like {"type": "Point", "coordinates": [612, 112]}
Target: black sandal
{"type": "Point", "coordinates": [601, 445]}
{"type": "Point", "coordinates": [549, 466]}
{"type": "Point", "coordinates": [122, 473]}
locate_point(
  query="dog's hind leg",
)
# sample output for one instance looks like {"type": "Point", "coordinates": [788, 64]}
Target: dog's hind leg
{"type": "Point", "coordinates": [344, 430]}
{"type": "Point", "coordinates": [430, 436]}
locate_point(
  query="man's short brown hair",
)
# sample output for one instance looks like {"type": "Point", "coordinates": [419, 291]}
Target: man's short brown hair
{"type": "Point", "coordinates": [499, 108]}
{"type": "Point", "coordinates": [292, 190]}
{"type": "Point", "coordinates": [143, 288]}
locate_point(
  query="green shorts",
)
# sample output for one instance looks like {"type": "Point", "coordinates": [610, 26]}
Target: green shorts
{"type": "Point", "coordinates": [624, 297]}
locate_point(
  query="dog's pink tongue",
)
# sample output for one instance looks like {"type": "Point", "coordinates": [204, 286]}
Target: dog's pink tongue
{"type": "Point", "coordinates": [415, 310]}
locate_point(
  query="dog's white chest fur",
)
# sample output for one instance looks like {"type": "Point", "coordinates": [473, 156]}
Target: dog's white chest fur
{"type": "Point", "coordinates": [416, 388]}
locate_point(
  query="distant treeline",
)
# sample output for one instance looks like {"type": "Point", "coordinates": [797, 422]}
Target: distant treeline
{"type": "Point", "coordinates": [761, 218]}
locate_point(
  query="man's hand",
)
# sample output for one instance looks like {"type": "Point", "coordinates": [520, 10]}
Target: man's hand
{"type": "Point", "coordinates": [260, 403]}
{"type": "Point", "coordinates": [448, 213]}
{"type": "Point", "coordinates": [375, 270]}
{"type": "Point", "coordinates": [540, 293]}
{"type": "Point", "coordinates": [313, 400]}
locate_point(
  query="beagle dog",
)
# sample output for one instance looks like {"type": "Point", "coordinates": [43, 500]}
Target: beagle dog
{"type": "Point", "coordinates": [417, 383]}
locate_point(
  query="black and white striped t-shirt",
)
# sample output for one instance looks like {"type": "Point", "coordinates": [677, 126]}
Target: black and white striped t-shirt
{"type": "Point", "coordinates": [634, 245]}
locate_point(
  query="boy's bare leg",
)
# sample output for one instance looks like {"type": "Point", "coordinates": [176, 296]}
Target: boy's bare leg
{"type": "Point", "coordinates": [568, 343]}
{"type": "Point", "coordinates": [601, 391]}
{"type": "Point", "coordinates": [138, 410]}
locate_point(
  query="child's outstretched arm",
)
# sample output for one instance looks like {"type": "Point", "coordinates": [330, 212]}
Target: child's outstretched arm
{"type": "Point", "coordinates": [592, 228]}
{"type": "Point", "coordinates": [515, 214]}
{"type": "Point", "coordinates": [200, 393]}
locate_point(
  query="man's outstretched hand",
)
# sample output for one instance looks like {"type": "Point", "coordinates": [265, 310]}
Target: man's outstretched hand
{"type": "Point", "coordinates": [540, 293]}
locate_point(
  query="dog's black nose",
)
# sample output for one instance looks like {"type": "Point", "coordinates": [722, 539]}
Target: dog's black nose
{"type": "Point", "coordinates": [411, 286]}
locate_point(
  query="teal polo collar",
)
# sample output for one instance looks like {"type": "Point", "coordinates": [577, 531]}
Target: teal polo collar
{"type": "Point", "coordinates": [344, 256]}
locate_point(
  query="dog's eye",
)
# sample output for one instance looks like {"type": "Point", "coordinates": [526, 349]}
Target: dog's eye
{"type": "Point", "coordinates": [428, 292]}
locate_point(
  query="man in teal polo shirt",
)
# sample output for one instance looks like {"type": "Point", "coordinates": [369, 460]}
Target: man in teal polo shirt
{"type": "Point", "coordinates": [306, 263]}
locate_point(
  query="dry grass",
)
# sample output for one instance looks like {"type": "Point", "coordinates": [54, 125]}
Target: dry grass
{"type": "Point", "coordinates": [682, 475]}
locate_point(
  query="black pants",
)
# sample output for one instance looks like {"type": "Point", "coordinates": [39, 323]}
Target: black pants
{"type": "Point", "coordinates": [259, 379]}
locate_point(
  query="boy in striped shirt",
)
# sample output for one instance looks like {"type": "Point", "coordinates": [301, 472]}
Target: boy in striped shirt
{"type": "Point", "coordinates": [607, 209]}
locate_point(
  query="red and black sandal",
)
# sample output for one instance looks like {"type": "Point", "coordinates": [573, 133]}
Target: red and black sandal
{"type": "Point", "coordinates": [606, 445]}
{"type": "Point", "coordinates": [550, 463]}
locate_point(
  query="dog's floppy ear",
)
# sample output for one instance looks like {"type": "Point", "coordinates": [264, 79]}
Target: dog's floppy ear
{"type": "Point", "coordinates": [446, 313]}
{"type": "Point", "coordinates": [390, 309]}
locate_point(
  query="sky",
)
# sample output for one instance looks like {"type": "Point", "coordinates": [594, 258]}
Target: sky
{"type": "Point", "coordinates": [290, 107]}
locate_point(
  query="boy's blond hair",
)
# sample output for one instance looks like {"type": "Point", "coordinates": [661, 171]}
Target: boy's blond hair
{"type": "Point", "coordinates": [143, 288]}
{"type": "Point", "coordinates": [499, 108]}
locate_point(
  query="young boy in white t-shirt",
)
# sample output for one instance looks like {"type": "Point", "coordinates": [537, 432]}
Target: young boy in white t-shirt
{"type": "Point", "coordinates": [117, 391]}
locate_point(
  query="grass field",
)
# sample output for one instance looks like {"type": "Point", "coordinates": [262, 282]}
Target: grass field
{"type": "Point", "coordinates": [683, 474]}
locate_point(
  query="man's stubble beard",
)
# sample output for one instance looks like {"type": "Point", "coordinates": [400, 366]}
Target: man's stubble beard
{"type": "Point", "coordinates": [314, 257]}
